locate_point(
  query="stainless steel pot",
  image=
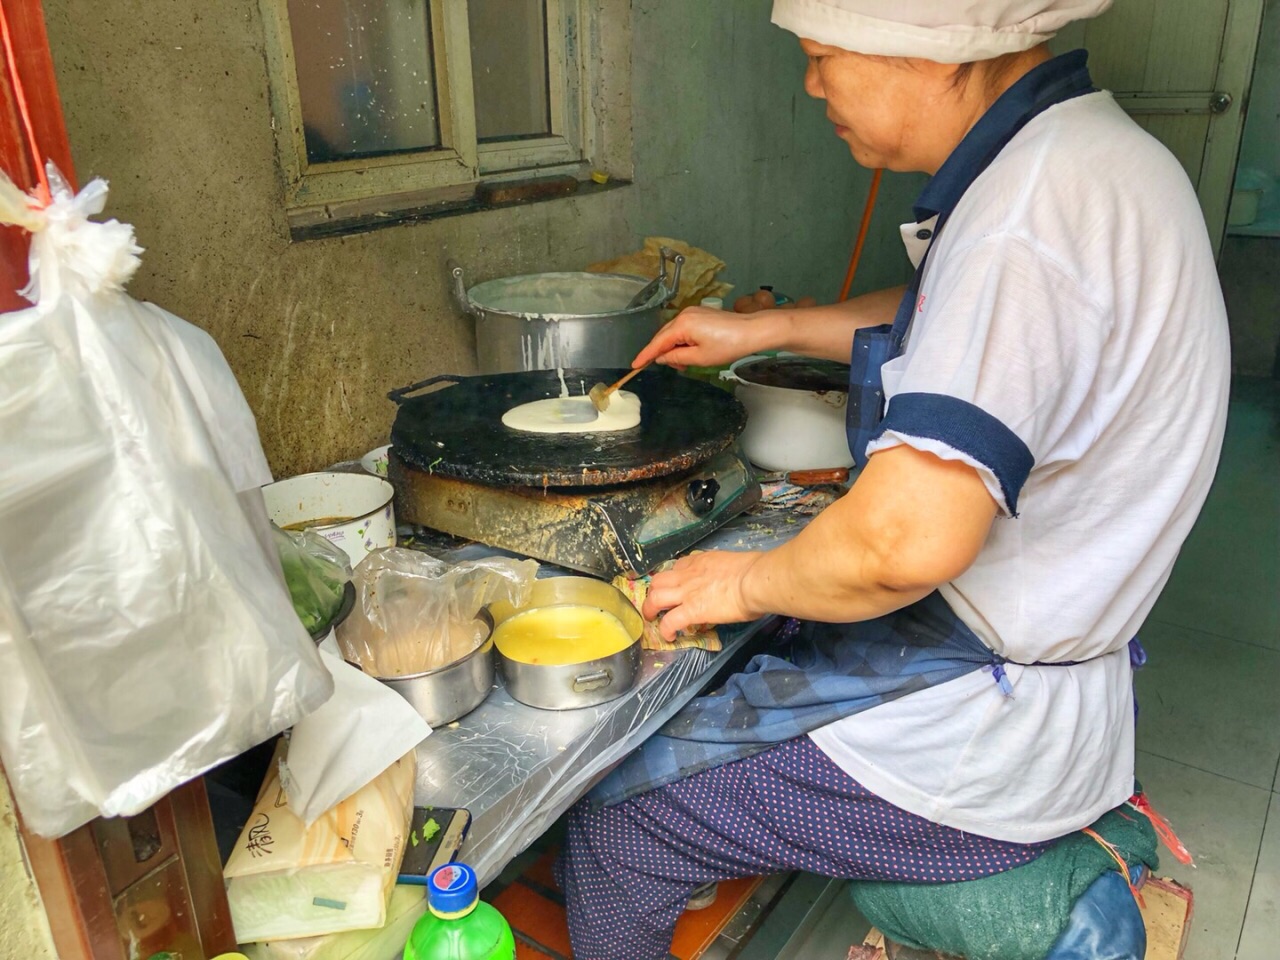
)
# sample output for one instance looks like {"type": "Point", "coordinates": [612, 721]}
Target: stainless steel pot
{"type": "Point", "coordinates": [446, 693]}
{"type": "Point", "coordinates": [567, 687]}
{"type": "Point", "coordinates": [547, 320]}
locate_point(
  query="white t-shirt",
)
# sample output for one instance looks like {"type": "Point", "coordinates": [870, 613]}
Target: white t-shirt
{"type": "Point", "coordinates": [1070, 311]}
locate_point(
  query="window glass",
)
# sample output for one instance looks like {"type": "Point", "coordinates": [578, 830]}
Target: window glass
{"type": "Point", "coordinates": [509, 65]}
{"type": "Point", "coordinates": [365, 77]}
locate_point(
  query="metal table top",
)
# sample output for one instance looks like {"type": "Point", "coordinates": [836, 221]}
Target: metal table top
{"type": "Point", "coordinates": [517, 768]}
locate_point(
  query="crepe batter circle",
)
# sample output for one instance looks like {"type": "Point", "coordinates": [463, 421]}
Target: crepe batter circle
{"type": "Point", "coordinates": [545, 416]}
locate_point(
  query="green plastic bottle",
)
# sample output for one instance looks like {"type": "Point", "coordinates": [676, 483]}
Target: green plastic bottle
{"type": "Point", "coordinates": [458, 926]}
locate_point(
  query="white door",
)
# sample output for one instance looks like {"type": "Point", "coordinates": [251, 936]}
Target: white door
{"type": "Point", "coordinates": [1181, 68]}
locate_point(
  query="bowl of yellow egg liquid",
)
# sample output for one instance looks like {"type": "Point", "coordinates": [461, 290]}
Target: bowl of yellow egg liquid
{"type": "Point", "coordinates": [574, 643]}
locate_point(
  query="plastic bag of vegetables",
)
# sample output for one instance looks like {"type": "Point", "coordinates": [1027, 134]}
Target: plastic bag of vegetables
{"type": "Point", "coordinates": [316, 571]}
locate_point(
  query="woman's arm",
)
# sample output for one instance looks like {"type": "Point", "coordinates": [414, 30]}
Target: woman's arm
{"type": "Point", "coordinates": [707, 338]}
{"type": "Point", "coordinates": [827, 331]}
{"type": "Point", "coordinates": [911, 523]}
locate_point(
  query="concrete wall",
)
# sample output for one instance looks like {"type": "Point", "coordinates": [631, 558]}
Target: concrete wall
{"type": "Point", "coordinates": [169, 103]}
{"type": "Point", "coordinates": [24, 929]}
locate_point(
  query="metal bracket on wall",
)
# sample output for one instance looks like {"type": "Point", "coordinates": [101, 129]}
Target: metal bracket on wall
{"type": "Point", "coordinates": [1214, 101]}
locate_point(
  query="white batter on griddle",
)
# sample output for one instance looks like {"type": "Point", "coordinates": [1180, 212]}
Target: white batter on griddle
{"type": "Point", "coordinates": [546, 416]}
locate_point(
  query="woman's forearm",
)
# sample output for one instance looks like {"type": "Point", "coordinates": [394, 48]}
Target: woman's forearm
{"type": "Point", "coordinates": [911, 523]}
{"type": "Point", "coordinates": [826, 331]}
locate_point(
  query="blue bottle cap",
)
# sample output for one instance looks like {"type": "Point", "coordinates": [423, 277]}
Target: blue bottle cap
{"type": "Point", "coordinates": [452, 890]}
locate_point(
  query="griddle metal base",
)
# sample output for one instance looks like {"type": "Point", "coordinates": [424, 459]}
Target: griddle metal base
{"type": "Point", "coordinates": [603, 531]}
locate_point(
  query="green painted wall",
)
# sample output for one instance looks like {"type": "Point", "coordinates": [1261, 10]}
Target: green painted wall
{"type": "Point", "coordinates": [169, 103]}
{"type": "Point", "coordinates": [732, 155]}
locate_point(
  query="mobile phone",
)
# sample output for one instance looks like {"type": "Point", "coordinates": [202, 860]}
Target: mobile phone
{"type": "Point", "coordinates": [435, 837]}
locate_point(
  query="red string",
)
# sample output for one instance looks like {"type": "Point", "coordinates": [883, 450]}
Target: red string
{"type": "Point", "coordinates": [20, 96]}
{"type": "Point", "coordinates": [1163, 830]}
{"type": "Point", "coordinates": [1115, 855]}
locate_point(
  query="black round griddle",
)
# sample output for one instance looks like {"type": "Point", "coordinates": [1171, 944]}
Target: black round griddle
{"type": "Point", "coordinates": [457, 430]}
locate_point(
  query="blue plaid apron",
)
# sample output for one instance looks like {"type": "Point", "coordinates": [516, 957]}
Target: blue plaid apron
{"type": "Point", "coordinates": [819, 673]}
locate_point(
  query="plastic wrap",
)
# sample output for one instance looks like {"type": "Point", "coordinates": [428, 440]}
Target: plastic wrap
{"type": "Point", "coordinates": [415, 612]}
{"type": "Point", "coordinates": [408, 904]}
{"type": "Point", "coordinates": [516, 769]}
{"type": "Point", "coordinates": [288, 880]}
{"type": "Point", "coordinates": [315, 571]}
{"type": "Point", "coordinates": [146, 635]}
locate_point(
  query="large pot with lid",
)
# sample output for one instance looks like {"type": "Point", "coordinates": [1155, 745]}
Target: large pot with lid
{"type": "Point", "coordinates": [547, 320]}
{"type": "Point", "coordinates": [796, 409]}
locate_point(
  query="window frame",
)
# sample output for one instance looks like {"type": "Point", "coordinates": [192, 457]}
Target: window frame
{"type": "Point", "coordinates": [451, 171]}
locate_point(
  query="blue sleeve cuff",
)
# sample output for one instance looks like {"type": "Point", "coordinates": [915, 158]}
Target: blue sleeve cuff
{"type": "Point", "coordinates": [967, 429]}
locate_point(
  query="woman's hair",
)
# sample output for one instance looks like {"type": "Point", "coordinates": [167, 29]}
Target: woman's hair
{"type": "Point", "coordinates": [961, 77]}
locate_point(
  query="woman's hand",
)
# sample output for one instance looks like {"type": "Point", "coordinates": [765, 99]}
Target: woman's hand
{"type": "Point", "coordinates": [702, 337]}
{"type": "Point", "coordinates": [701, 588]}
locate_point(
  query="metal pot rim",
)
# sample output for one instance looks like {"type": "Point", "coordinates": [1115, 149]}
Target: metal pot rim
{"type": "Point", "coordinates": [382, 505]}
{"type": "Point", "coordinates": [659, 297]}
{"type": "Point", "coordinates": [731, 375]}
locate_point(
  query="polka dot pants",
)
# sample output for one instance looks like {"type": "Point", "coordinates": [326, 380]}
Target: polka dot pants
{"type": "Point", "coordinates": [627, 870]}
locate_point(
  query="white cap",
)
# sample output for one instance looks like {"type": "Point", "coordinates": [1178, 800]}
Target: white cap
{"type": "Point", "coordinates": [946, 31]}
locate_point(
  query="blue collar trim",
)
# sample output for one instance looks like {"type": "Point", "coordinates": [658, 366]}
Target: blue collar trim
{"type": "Point", "coordinates": [1062, 78]}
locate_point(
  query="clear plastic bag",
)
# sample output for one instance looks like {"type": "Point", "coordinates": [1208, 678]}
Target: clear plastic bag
{"type": "Point", "coordinates": [146, 634]}
{"type": "Point", "coordinates": [288, 879]}
{"type": "Point", "coordinates": [315, 572]}
{"type": "Point", "coordinates": [415, 613]}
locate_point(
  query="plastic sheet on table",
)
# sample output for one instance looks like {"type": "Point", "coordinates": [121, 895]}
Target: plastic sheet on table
{"type": "Point", "coordinates": [517, 768]}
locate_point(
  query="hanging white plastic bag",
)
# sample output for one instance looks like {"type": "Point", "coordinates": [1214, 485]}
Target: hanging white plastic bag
{"type": "Point", "coordinates": [146, 633]}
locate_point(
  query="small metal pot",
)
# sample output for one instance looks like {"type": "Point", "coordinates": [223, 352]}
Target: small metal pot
{"type": "Point", "coordinates": [446, 693]}
{"type": "Point", "coordinates": [547, 320]}
{"type": "Point", "coordinates": [570, 686]}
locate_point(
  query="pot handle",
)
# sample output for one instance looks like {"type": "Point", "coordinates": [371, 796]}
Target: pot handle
{"type": "Point", "coordinates": [458, 285]}
{"type": "Point", "coordinates": [592, 681]}
{"type": "Point", "coordinates": [729, 376]}
{"type": "Point", "coordinates": [677, 261]}
{"type": "Point", "coordinates": [401, 394]}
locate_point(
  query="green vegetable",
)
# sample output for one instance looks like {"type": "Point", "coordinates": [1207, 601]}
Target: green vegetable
{"type": "Point", "coordinates": [315, 581]}
{"type": "Point", "coordinates": [430, 829]}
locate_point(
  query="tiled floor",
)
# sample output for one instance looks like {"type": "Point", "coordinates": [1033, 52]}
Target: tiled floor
{"type": "Point", "coordinates": [1209, 736]}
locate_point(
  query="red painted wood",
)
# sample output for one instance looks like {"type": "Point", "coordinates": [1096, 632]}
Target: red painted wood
{"type": "Point", "coordinates": [35, 68]}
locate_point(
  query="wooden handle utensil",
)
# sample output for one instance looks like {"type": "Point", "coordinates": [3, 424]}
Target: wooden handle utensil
{"type": "Point", "coordinates": [601, 394]}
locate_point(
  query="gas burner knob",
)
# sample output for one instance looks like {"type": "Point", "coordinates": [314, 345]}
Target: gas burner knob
{"type": "Point", "coordinates": [702, 496]}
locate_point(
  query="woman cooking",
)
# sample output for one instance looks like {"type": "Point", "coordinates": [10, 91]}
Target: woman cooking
{"type": "Point", "coordinates": [1038, 417]}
